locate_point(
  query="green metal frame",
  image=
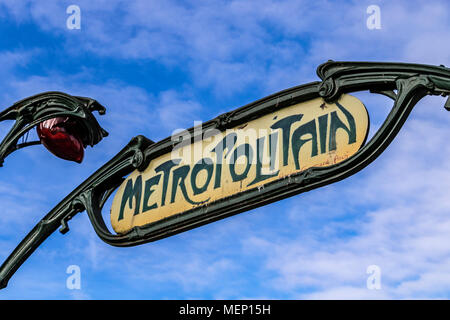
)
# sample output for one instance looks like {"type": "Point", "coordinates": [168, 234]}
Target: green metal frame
{"type": "Point", "coordinates": [404, 83]}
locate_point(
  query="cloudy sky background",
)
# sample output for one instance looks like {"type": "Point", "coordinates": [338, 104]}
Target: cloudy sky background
{"type": "Point", "coordinates": [160, 65]}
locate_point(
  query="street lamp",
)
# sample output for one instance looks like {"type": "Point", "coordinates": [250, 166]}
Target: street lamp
{"type": "Point", "coordinates": [65, 124]}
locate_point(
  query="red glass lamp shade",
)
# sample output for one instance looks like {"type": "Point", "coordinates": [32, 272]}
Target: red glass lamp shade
{"type": "Point", "coordinates": [61, 136]}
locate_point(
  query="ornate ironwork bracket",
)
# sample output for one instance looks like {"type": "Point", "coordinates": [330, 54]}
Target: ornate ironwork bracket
{"type": "Point", "coordinates": [404, 83]}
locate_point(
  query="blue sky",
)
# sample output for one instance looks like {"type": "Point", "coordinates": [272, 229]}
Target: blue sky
{"type": "Point", "coordinates": [160, 65]}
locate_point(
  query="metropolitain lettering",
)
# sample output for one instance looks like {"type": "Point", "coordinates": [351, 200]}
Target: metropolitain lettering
{"type": "Point", "coordinates": [239, 159]}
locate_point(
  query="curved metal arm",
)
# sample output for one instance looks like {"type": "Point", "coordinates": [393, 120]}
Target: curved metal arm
{"type": "Point", "coordinates": [411, 81]}
{"type": "Point", "coordinates": [106, 178]}
{"type": "Point", "coordinates": [31, 111]}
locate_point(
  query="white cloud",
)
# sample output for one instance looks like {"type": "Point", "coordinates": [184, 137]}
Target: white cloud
{"type": "Point", "coordinates": [175, 112]}
{"type": "Point", "coordinates": [234, 46]}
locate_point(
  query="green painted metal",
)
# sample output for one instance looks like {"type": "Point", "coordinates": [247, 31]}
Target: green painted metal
{"type": "Point", "coordinates": [404, 83]}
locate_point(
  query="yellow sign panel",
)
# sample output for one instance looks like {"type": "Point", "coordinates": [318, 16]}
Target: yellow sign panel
{"type": "Point", "coordinates": [220, 164]}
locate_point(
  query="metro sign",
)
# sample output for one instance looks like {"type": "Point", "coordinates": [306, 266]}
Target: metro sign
{"type": "Point", "coordinates": [248, 156]}
{"type": "Point", "coordinates": [285, 144]}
